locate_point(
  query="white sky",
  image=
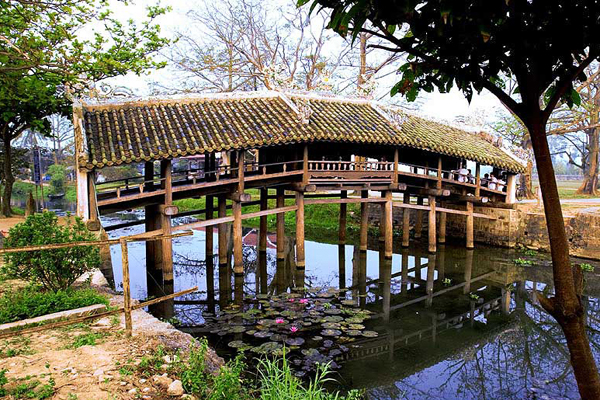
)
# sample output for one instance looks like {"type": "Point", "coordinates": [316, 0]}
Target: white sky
{"type": "Point", "coordinates": [439, 106]}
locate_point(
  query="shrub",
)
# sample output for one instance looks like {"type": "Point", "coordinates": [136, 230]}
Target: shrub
{"type": "Point", "coordinates": [55, 269]}
{"type": "Point", "coordinates": [31, 302]}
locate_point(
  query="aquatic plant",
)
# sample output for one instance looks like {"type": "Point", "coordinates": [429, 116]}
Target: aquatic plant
{"type": "Point", "coordinates": [585, 267]}
{"type": "Point", "coordinates": [522, 261]}
{"type": "Point", "coordinates": [447, 281]}
{"type": "Point", "coordinates": [473, 296]}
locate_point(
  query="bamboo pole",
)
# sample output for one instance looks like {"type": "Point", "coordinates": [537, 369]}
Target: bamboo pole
{"type": "Point", "coordinates": [126, 288]}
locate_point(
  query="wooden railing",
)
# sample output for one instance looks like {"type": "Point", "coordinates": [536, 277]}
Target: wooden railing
{"type": "Point", "coordinates": [350, 166]}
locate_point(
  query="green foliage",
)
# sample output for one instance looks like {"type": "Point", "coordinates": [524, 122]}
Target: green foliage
{"type": "Point", "coordinates": [32, 302]}
{"type": "Point", "coordinates": [55, 269]}
{"type": "Point", "coordinates": [86, 339]}
{"type": "Point", "coordinates": [23, 188]}
{"type": "Point", "coordinates": [473, 296]}
{"type": "Point", "coordinates": [522, 262]}
{"type": "Point", "coordinates": [3, 381]}
{"type": "Point", "coordinates": [585, 267]}
{"type": "Point", "coordinates": [193, 375]}
{"type": "Point", "coordinates": [33, 389]}
{"type": "Point", "coordinates": [278, 382]}
{"type": "Point", "coordinates": [58, 176]}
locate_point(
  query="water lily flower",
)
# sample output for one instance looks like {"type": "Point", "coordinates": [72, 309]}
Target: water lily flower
{"type": "Point", "coordinates": [294, 329]}
{"type": "Point", "coordinates": [291, 300]}
{"type": "Point", "coordinates": [279, 321]}
{"type": "Point", "coordinates": [303, 301]}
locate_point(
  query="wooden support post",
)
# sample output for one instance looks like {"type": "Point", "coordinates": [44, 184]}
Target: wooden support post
{"type": "Point", "coordinates": [305, 177]}
{"type": "Point", "coordinates": [430, 276]}
{"type": "Point", "coordinates": [364, 221]}
{"type": "Point", "coordinates": [388, 218]}
{"type": "Point", "coordinates": [280, 225]}
{"type": "Point", "coordinates": [419, 220]}
{"type": "Point", "coordinates": [166, 251]}
{"type": "Point", "coordinates": [238, 256]}
{"type": "Point", "coordinates": [342, 265]}
{"type": "Point", "coordinates": [223, 264]}
{"type": "Point", "coordinates": [439, 173]}
{"type": "Point", "coordinates": [406, 222]}
{"type": "Point", "coordinates": [382, 220]}
{"type": "Point", "coordinates": [477, 180]}
{"type": "Point", "coordinates": [395, 165]}
{"type": "Point", "coordinates": [468, 271]}
{"type": "Point", "coordinates": [442, 228]}
{"type": "Point", "coordinates": [432, 242]}
{"type": "Point", "coordinates": [240, 163]}
{"type": "Point", "coordinates": [263, 228]}
{"type": "Point", "coordinates": [126, 287]}
{"type": "Point", "coordinates": [209, 241]}
{"type": "Point", "coordinates": [300, 257]}
{"type": "Point", "coordinates": [470, 233]}
{"type": "Point", "coordinates": [343, 218]}
{"type": "Point", "coordinates": [511, 188]}
{"type": "Point", "coordinates": [93, 224]}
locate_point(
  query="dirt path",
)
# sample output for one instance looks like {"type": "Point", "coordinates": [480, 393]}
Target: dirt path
{"type": "Point", "coordinates": [94, 361]}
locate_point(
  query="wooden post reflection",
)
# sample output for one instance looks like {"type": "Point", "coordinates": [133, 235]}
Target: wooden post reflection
{"type": "Point", "coordinates": [430, 276]}
{"type": "Point", "coordinates": [468, 271]}
{"type": "Point", "coordinates": [404, 271]}
{"type": "Point", "coordinates": [342, 265]}
{"type": "Point", "coordinates": [385, 279]}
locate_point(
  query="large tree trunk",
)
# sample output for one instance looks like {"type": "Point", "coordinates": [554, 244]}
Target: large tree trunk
{"type": "Point", "coordinates": [591, 170]}
{"type": "Point", "coordinates": [9, 179]}
{"type": "Point", "coordinates": [566, 306]}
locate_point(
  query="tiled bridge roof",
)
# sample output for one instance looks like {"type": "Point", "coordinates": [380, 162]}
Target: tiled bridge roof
{"type": "Point", "coordinates": [137, 131]}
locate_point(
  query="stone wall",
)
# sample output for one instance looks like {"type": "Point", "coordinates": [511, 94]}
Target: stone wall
{"type": "Point", "coordinates": [512, 227]}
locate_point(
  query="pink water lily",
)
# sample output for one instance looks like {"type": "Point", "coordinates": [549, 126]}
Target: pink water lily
{"type": "Point", "coordinates": [291, 300]}
{"type": "Point", "coordinates": [294, 329]}
{"type": "Point", "coordinates": [279, 321]}
{"type": "Point", "coordinates": [303, 301]}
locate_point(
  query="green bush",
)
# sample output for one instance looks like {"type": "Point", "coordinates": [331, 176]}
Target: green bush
{"type": "Point", "coordinates": [55, 269]}
{"type": "Point", "coordinates": [32, 302]}
{"type": "Point", "coordinates": [58, 176]}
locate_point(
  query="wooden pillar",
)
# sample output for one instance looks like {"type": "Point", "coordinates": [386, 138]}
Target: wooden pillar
{"type": "Point", "coordinates": [223, 259]}
{"type": "Point", "coordinates": [395, 180]}
{"type": "Point", "coordinates": [468, 271]}
{"type": "Point", "coordinates": [382, 221]}
{"type": "Point", "coordinates": [300, 257]}
{"type": "Point", "coordinates": [439, 173]}
{"type": "Point", "coordinates": [343, 218]}
{"type": "Point", "coordinates": [263, 228]}
{"type": "Point", "coordinates": [389, 224]}
{"type": "Point", "coordinates": [470, 233]}
{"type": "Point", "coordinates": [364, 221]}
{"type": "Point", "coordinates": [419, 220]}
{"type": "Point", "coordinates": [342, 265]}
{"type": "Point", "coordinates": [210, 271]}
{"type": "Point", "coordinates": [280, 225]}
{"type": "Point", "coordinates": [511, 188]}
{"type": "Point", "coordinates": [240, 164]}
{"type": "Point", "coordinates": [238, 256]}
{"type": "Point", "coordinates": [432, 242]}
{"type": "Point", "coordinates": [442, 228]}
{"type": "Point", "coordinates": [406, 222]}
{"type": "Point", "coordinates": [477, 180]}
{"type": "Point", "coordinates": [93, 224]}
{"type": "Point", "coordinates": [166, 251]}
{"type": "Point", "coordinates": [305, 177]}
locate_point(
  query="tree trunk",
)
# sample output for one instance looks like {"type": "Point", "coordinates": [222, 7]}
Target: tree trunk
{"type": "Point", "coordinates": [591, 170]}
{"type": "Point", "coordinates": [565, 306]}
{"type": "Point", "coordinates": [9, 179]}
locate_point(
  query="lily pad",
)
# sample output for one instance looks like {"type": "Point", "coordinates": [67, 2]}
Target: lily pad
{"type": "Point", "coordinates": [331, 332]}
{"type": "Point", "coordinates": [297, 341]}
{"type": "Point", "coordinates": [370, 334]}
{"type": "Point", "coordinates": [333, 311]}
{"type": "Point", "coordinates": [268, 348]}
{"type": "Point", "coordinates": [237, 329]}
{"type": "Point", "coordinates": [278, 337]}
{"type": "Point", "coordinates": [357, 327]}
{"type": "Point", "coordinates": [251, 332]}
{"type": "Point", "coordinates": [263, 334]}
{"type": "Point", "coordinates": [317, 338]}
{"type": "Point", "coordinates": [333, 318]}
{"type": "Point", "coordinates": [331, 325]}
{"type": "Point", "coordinates": [354, 332]}
{"type": "Point", "coordinates": [348, 302]}
{"type": "Point", "coordinates": [238, 344]}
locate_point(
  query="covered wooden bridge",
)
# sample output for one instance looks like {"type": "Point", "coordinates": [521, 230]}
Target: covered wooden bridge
{"type": "Point", "coordinates": [315, 149]}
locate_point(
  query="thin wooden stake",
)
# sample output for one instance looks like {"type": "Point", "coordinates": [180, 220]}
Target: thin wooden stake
{"type": "Point", "coordinates": [126, 288]}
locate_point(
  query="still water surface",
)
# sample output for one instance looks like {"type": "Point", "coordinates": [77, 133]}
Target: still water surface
{"type": "Point", "coordinates": [456, 325]}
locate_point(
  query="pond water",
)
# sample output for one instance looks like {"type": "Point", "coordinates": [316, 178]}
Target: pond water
{"type": "Point", "coordinates": [58, 206]}
{"type": "Point", "coordinates": [459, 324]}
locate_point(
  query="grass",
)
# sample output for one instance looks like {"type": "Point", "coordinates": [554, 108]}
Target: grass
{"type": "Point", "coordinates": [567, 190]}
{"type": "Point", "coordinates": [86, 339]}
{"type": "Point", "coordinates": [30, 302]}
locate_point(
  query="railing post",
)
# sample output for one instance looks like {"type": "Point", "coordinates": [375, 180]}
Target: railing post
{"type": "Point", "coordinates": [305, 165]}
{"type": "Point", "coordinates": [477, 179]}
{"type": "Point", "coordinates": [126, 287]}
{"type": "Point", "coordinates": [240, 164]}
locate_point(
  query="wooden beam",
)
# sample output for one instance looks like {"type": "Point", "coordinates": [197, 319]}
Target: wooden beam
{"type": "Point", "coordinates": [300, 257]}
{"type": "Point", "coordinates": [430, 192]}
{"type": "Point", "coordinates": [345, 200]}
{"type": "Point", "coordinates": [432, 229]}
{"type": "Point", "coordinates": [470, 199]}
{"type": "Point", "coordinates": [240, 197]}
{"type": "Point", "coordinates": [364, 220]}
{"type": "Point", "coordinates": [301, 187]}
{"type": "Point", "coordinates": [406, 221]}
{"type": "Point", "coordinates": [343, 218]}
